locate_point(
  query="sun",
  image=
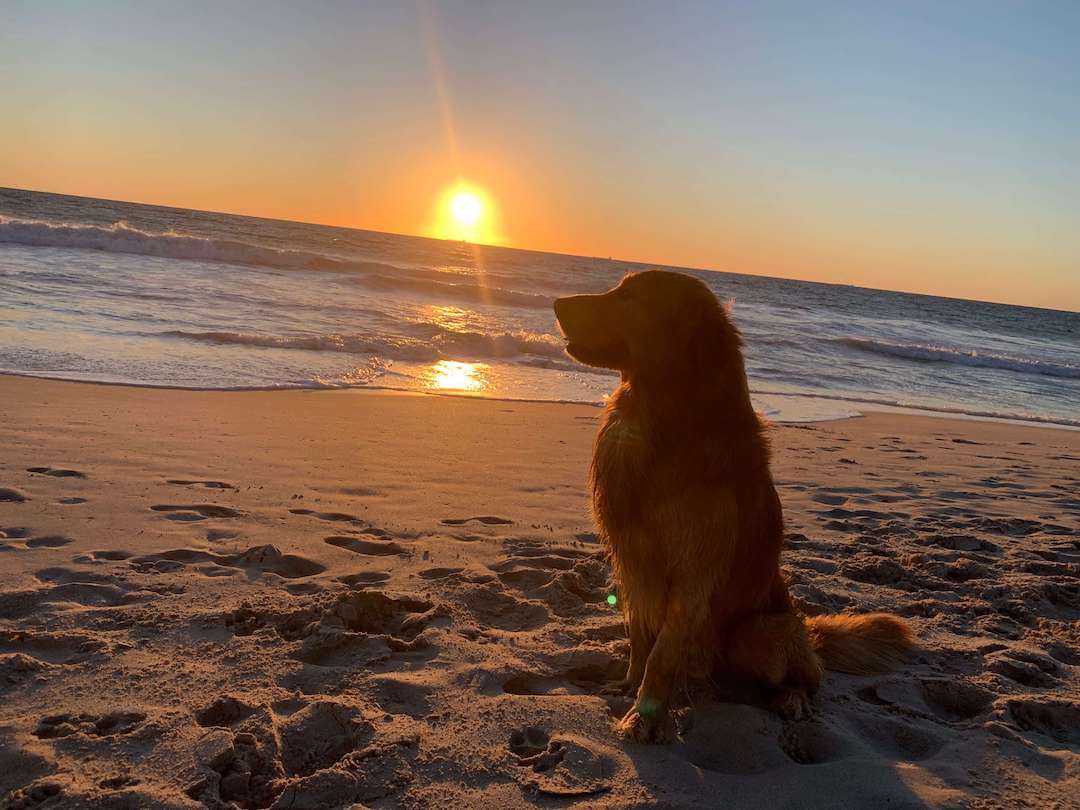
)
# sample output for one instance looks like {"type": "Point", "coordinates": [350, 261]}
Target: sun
{"type": "Point", "coordinates": [466, 208]}
{"type": "Point", "coordinates": [466, 213]}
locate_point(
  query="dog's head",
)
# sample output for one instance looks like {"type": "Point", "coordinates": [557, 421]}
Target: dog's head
{"type": "Point", "coordinates": [654, 325]}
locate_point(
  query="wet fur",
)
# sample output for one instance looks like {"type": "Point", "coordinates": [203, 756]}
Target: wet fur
{"type": "Point", "coordinates": [684, 498]}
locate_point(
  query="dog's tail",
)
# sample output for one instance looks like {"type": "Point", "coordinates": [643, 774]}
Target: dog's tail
{"type": "Point", "coordinates": [870, 644]}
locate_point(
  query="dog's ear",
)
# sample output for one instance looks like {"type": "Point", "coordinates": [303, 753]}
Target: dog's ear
{"type": "Point", "coordinates": [715, 349]}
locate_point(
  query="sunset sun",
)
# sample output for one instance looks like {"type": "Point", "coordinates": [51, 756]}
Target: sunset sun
{"type": "Point", "coordinates": [466, 208]}
{"type": "Point", "coordinates": [466, 213]}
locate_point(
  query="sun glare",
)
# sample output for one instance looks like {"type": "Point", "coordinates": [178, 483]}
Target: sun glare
{"type": "Point", "coordinates": [452, 375]}
{"type": "Point", "coordinates": [467, 208]}
{"type": "Point", "coordinates": [465, 213]}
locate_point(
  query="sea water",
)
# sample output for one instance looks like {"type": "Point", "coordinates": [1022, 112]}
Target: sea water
{"type": "Point", "coordinates": [147, 295]}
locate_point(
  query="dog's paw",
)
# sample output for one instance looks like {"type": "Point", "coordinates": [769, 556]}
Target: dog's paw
{"type": "Point", "coordinates": [792, 704]}
{"type": "Point", "coordinates": [648, 722]}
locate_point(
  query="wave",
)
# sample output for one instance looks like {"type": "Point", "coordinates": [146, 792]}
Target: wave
{"type": "Point", "coordinates": [475, 293]}
{"type": "Point", "coordinates": [123, 238]}
{"type": "Point", "coordinates": [443, 344]}
{"type": "Point", "coordinates": [923, 408]}
{"type": "Point", "coordinates": [940, 354]}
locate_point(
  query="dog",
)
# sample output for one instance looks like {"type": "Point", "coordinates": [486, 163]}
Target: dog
{"type": "Point", "coordinates": [684, 499]}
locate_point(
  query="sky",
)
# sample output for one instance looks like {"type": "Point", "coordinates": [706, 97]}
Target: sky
{"type": "Point", "coordinates": [925, 147]}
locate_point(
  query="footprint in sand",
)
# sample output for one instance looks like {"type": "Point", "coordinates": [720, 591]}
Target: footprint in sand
{"type": "Point", "coordinates": [48, 541]}
{"type": "Point", "coordinates": [828, 499]}
{"type": "Point", "coordinates": [51, 647]}
{"type": "Point", "coordinates": [331, 517]}
{"type": "Point", "coordinates": [281, 755]}
{"type": "Point", "coordinates": [224, 711]}
{"type": "Point", "coordinates": [94, 594]}
{"type": "Point", "coordinates": [61, 575]}
{"type": "Point", "coordinates": [13, 538]}
{"type": "Point", "coordinates": [491, 603]}
{"type": "Point", "coordinates": [559, 767]}
{"type": "Point", "coordinates": [183, 482]}
{"type": "Point", "coordinates": [376, 548]}
{"type": "Point", "coordinates": [103, 556]}
{"type": "Point", "coordinates": [362, 578]}
{"type": "Point", "coordinates": [1025, 667]}
{"type": "Point", "coordinates": [811, 742]}
{"type": "Point", "coordinates": [357, 629]}
{"type": "Point", "coordinates": [200, 511]}
{"type": "Point", "coordinates": [438, 573]}
{"type": "Point", "coordinates": [1053, 718]}
{"type": "Point", "coordinates": [568, 580]}
{"type": "Point", "coordinates": [56, 473]}
{"type": "Point", "coordinates": [896, 739]}
{"type": "Point", "coordinates": [488, 520]}
{"type": "Point", "coordinates": [955, 700]}
{"type": "Point", "coordinates": [94, 725]}
{"type": "Point", "coordinates": [585, 671]}
{"type": "Point", "coordinates": [361, 627]}
{"type": "Point", "coordinates": [260, 559]}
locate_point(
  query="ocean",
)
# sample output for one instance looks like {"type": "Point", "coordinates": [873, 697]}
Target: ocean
{"type": "Point", "coordinates": [148, 295]}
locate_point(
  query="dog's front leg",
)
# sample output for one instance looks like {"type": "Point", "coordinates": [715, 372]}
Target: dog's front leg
{"type": "Point", "coordinates": [641, 644]}
{"type": "Point", "coordinates": [650, 719]}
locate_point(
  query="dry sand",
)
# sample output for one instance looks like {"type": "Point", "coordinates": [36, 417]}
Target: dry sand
{"type": "Point", "coordinates": [320, 599]}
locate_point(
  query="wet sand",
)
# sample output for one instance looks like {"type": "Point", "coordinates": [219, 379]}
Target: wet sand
{"type": "Point", "coordinates": [316, 599]}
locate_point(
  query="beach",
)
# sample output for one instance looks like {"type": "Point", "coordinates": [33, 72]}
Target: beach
{"type": "Point", "coordinates": [360, 598]}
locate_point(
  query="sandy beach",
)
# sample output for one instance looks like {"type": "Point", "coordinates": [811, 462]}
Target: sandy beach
{"type": "Point", "coordinates": [322, 599]}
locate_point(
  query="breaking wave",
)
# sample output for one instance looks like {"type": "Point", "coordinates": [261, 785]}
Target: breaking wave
{"type": "Point", "coordinates": [917, 406]}
{"type": "Point", "coordinates": [940, 354]}
{"type": "Point", "coordinates": [443, 344]}
{"type": "Point", "coordinates": [122, 238]}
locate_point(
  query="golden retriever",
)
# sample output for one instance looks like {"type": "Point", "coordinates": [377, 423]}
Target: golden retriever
{"type": "Point", "coordinates": [685, 501]}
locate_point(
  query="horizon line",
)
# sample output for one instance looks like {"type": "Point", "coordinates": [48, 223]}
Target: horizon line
{"type": "Point", "coordinates": [548, 252]}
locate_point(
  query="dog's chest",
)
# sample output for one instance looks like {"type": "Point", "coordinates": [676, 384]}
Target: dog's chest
{"type": "Point", "coordinates": [619, 473]}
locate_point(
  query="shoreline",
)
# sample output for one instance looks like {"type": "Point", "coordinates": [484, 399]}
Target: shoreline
{"type": "Point", "coordinates": [865, 406]}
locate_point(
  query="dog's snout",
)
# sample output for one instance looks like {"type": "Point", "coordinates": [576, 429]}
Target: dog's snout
{"type": "Point", "coordinates": [564, 309]}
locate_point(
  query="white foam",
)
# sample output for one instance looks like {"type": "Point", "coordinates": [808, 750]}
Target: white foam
{"type": "Point", "coordinates": [964, 357]}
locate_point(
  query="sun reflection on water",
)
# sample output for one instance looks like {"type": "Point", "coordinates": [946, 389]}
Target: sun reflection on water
{"type": "Point", "coordinates": [454, 375]}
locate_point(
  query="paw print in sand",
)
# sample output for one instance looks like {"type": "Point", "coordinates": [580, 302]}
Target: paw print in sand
{"type": "Point", "coordinates": [559, 767]}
